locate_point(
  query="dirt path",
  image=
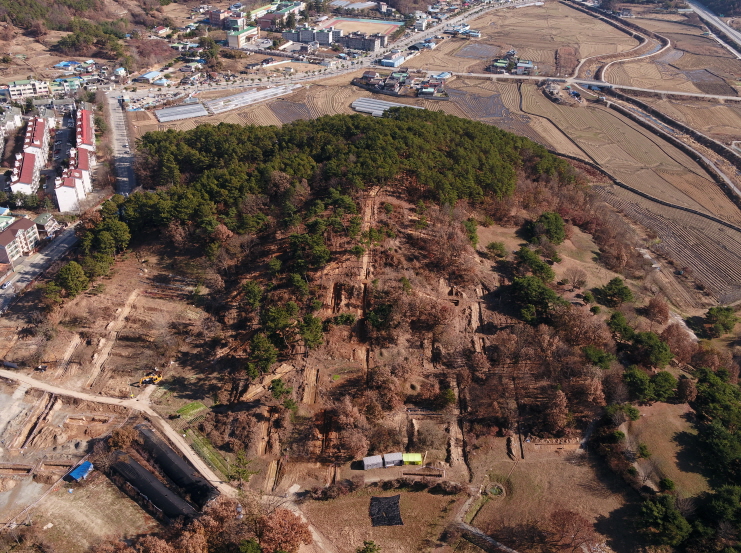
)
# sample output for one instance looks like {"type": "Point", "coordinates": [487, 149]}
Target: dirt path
{"type": "Point", "coordinates": [157, 421]}
{"type": "Point", "coordinates": [64, 363]}
{"type": "Point", "coordinates": [108, 342]}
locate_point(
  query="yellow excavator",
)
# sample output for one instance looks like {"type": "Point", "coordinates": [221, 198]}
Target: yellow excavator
{"type": "Point", "coordinates": [151, 378]}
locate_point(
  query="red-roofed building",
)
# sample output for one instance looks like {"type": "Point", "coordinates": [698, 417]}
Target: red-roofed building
{"type": "Point", "coordinates": [20, 238]}
{"type": "Point", "coordinates": [82, 160]}
{"type": "Point", "coordinates": [26, 172]}
{"type": "Point", "coordinates": [85, 130]}
{"type": "Point", "coordinates": [70, 190]}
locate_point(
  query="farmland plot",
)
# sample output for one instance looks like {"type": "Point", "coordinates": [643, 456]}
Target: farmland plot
{"type": "Point", "coordinates": [720, 121]}
{"type": "Point", "coordinates": [711, 250]}
{"type": "Point", "coordinates": [635, 156]}
{"type": "Point", "coordinates": [536, 32]}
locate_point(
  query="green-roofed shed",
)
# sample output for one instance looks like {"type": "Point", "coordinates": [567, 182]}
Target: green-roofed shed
{"type": "Point", "coordinates": [412, 458]}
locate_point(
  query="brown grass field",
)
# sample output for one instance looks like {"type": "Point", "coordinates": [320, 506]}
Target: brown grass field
{"type": "Point", "coordinates": [546, 481]}
{"type": "Point", "coordinates": [662, 427]}
{"type": "Point", "coordinates": [96, 510]}
{"type": "Point", "coordinates": [360, 26]}
{"type": "Point", "coordinates": [634, 155]}
{"type": "Point", "coordinates": [425, 516]}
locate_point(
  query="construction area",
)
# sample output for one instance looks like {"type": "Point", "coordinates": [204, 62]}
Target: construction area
{"type": "Point", "coordinates": [43, 437]}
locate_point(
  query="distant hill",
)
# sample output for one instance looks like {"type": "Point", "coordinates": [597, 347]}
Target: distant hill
{"type": "Point", "coordinates": [54, 14]}
{"type": "Point", "coordinates": [724, 7]}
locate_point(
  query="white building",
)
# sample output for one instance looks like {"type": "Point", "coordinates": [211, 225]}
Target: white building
{"type": "Point", "coordinates": [25, 176]}
{"type": "Point", "coordinates": [27, 89]}
{"type": "Point", "coordinates": [69, 192]}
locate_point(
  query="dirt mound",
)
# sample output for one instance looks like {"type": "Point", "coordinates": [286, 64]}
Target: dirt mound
{"type": "Point", "coordinates": [7, 484]}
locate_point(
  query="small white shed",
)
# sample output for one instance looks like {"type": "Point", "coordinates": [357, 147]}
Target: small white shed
{"type": "Point", "coordinates": [372, 462]}
{"type": "Point", "coordinates": [393, 459]}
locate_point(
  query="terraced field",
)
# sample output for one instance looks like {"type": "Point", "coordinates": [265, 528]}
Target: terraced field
{"type": "Point", "coordinates": [712, 250]}
{"type": "Point", "coordinates": [635, 156]}
{"type": "Point", "coordinates": [694, 64]}
{"type": "Point", "coordinates": [720, 121]}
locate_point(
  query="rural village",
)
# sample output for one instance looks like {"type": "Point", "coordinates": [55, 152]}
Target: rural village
{"type": "Point", "coordinates": [355, 277]}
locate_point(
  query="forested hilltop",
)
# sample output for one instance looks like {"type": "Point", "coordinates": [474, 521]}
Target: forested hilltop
{"type": "Point", "coordinates": [353, 241]}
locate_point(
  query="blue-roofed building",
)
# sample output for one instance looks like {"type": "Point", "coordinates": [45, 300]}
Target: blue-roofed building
{"type": "Point", "coordinates": [149, 77]}
{"type": "Point", "coordinates": [81, 471]}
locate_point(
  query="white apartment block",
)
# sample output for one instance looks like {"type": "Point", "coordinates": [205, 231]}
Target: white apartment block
{"type": "Point", "coordinates": [18, 90]}
{"type": "Point", "coordinates": [70, 191]}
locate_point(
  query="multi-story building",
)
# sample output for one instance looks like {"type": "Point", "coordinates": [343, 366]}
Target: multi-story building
{"type": "Point", "coordinates": [235, 23]}
{"type": "Point", "coordinates": [27, 89]}
{"type": "Point", "coordinates": [69, 192]}
{"type": "Point", "coordinates": [83, 160]}
{"type": "Point", "coordinates": [26, 173]}
{"type": "Point", "coordinates": [36, 140]}
{"type": "Point", "coordinates": [238, 39]}
{"type": "Point", "coordinates": [216, 18]}
{"type": "Point", "coordinates": [85, 130]}
{"type": "Point", "coordinates": [46, 224]}
{"type": "Point", "coordinates": [305, 35]}
{"type": "Point", "coordinates": [362, 41]}
{"type": "Point", "coordinates": [20, 238]}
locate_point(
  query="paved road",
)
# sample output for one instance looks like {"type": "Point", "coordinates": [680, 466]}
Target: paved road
{"type": "Point", "coordinates": [124, 159]}
{"type": "Point", "coordinates": [706, 14]}
{"type": "Point", "coordinates": [31, 267]}
{"type": "Point", "coordinates": [160, 423]}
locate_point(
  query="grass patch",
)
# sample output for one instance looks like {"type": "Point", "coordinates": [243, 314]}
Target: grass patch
{"type": "Point", "coordinates": [475, 508]}
{"type": "Point", "coordinates": [191, 409]}
{"type": "Point", "coordinates": [208, 453]}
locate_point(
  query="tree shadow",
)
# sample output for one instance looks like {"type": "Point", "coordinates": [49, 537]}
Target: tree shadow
{"type": "Point", "coordinates": [697, 325]}
{"type": "Point", "coordinates": [689, 458]}
{"type": "Point", "coordinates": [192, 389]}
{"type": "Point", "coordinates": [619, 528]}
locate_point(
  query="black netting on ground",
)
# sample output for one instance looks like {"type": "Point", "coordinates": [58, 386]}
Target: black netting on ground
{"type": "Point", "coordinates": [176, 468]}
{"type": "Point", "coordinates": [166, 500]}
{"type": "Point", "coordinates": [384, 511]}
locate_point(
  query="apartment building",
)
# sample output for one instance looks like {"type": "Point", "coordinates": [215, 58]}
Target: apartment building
{"type": "Point", "coordinates": [20, 238]}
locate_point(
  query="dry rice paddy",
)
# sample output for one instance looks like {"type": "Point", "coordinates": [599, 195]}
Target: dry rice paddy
{"type": "Point", "coordinates": [536, 33]}
{"type": "Point", "coordinates": [634, 155]}
{"type": "Point", "coordinates": [694, 64]}
{"type": "Point", "coordinates": [721, 121]}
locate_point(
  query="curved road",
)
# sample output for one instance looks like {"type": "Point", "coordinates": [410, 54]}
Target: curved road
{"type": "Point", "coordinates": [160, 423]}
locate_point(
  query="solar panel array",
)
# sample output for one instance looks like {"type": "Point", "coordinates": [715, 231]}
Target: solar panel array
{"type": "Point", "coordinates": [176, 113]}
{"type": "Point", "coordinates": [242, 99]}
{"type": "Point", "coordinates": [377, 107]}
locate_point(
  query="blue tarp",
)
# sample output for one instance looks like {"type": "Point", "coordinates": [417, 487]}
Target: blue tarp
{"type": "Point", "coordinates": [81, 472]}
